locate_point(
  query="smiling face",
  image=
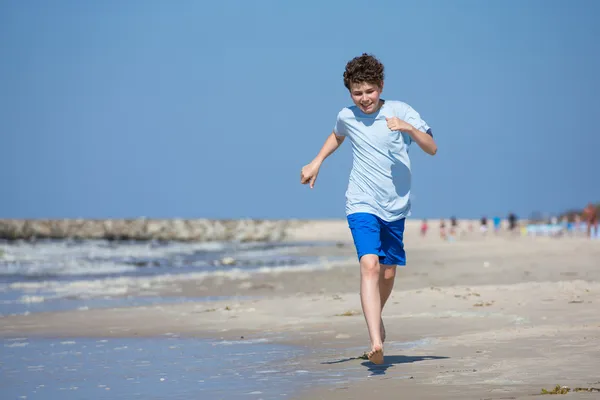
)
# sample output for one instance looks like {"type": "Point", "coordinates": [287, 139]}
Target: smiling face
{"type": "Point", "coordinates": [366, 96]}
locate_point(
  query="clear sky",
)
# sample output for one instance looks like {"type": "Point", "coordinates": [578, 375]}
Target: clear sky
{"type": "Point", "coordinates": [116, 108]}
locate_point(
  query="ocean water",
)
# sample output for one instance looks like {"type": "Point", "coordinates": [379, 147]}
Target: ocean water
{"type": "Point", "coordinates": [148, 368]}
{"type": "Point", "coordinates": [51, 275]}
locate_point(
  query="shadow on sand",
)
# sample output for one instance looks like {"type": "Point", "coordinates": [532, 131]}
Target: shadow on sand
{"type": "Point", "coordinates": [389, 362]}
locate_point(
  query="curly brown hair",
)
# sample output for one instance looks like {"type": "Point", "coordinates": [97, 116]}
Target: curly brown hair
{"type": "Point", "coordinates": [365, 68]}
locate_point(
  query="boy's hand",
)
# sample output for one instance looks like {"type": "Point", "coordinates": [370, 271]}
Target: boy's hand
{"type": "Point", "coordinates": [309, 174]}
{"type": "Point", "coordinates": [396, 124]}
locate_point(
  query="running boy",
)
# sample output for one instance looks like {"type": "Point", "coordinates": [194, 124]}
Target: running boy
{"type": "Point", "coordinates": [378, 194]}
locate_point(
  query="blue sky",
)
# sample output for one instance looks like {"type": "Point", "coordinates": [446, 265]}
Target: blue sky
{"type": "Point", "coordinates": [194, 109]}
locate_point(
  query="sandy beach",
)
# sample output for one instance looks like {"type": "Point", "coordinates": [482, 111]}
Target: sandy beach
{"type": "Point", "coordinates": [495, 317]}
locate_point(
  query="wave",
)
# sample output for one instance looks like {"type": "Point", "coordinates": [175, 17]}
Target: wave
{"type": "Point", "coordinates": [47, 259]}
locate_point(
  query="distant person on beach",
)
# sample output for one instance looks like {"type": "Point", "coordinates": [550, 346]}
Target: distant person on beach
{"type": "Point", "coordinates": [497, 224]}
{"type": "Point", "coordinates": [590, 216]}
{"type": "Point", "coordinates": [512, 222]}
{"type": "Point", "coordinates": [443, 229]}
{"type": "Point", "coordinates": [377, 198]}
{"type": "Point", "coordinates": [483, 225]}
{"type": "Point", "coordinates": [424, 228]}
{"type": "Point", "coordinates": [453, 226]}
{"type": "Point", "coordinates": [570, 223]}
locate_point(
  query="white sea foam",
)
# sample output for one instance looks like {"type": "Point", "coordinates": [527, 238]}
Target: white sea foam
{"type": "Point", "coordinates": [17, 344]}
{"type": "Point", "coordinates": [31, 299]}
{"type": "Point", "coordinates": [234, 342]}
{"type": "Point", "coordinates": [65, 267]}
{"type": "Point", "coordinates": [140, 285]}
{"type": "Point", "coordinates": [24, 251]}
{"type": "Point", "coordinates": [91, 257]}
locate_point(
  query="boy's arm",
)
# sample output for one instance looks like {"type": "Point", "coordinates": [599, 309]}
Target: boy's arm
{"type": "Point", "coordinates": [309, 172]}
{"type": "Point", "coordinates": [424, 140]}
{"type": "Point", "coordinates": [331, 144]}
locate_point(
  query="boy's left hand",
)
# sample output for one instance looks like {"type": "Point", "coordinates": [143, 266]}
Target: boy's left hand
{"type": "Point", "coordinates": [396, 124]}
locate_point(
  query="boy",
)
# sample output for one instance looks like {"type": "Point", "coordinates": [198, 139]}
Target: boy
{"type": "Point", "coordinates": [377, 198]}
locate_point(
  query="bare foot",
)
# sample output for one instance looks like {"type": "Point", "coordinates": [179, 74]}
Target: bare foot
{"type": "Point", "coordinates": [382, 332]}
{"type": "Point", "coordinates": [376, 355]}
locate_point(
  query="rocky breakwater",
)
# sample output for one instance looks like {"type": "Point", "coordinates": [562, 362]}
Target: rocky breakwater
{"type": "Point", "coordinates": [146, 229]}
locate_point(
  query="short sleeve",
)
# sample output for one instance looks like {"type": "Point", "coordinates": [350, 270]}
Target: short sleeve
{"type": "Point", "coordinates": [340, 128]}
{"type": "Point", "coordinates": [413, 118]}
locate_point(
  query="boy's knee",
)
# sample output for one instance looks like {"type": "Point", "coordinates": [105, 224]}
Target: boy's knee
{"type": "Point", "coordinates": [389, 272]}
{"type": "Point", "coordinates": [369, 264]}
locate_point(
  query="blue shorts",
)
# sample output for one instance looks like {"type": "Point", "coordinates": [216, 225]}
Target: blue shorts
{"type": "Point", "coordinates": [372, 235]}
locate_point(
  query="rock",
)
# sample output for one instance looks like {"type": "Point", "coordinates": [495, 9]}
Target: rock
{"type": "Point", "coordinates": [199, 230]}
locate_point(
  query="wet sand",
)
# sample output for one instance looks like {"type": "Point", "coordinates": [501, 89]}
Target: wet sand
{"type": "Point", "coordinates": [496, 317]}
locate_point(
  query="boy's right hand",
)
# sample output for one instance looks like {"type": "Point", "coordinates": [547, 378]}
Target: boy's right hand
{"type": "Point", "coordinates": [309, 174]}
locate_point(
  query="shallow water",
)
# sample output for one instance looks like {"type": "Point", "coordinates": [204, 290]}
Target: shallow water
{"type": "Point", "coordinates": [172, 367]}
{"type": "Point", "coordinates": [145, 368]}
{"type": "Point", "coordinates": [14, 303]}
{"type": "Point", "coordinates": [157, 368]}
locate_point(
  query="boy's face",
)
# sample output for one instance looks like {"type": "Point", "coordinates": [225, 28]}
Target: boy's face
{"type": "Point", "coordinates": [366, 96]}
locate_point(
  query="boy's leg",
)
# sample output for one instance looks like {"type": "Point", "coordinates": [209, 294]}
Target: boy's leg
{"type": "Point", "coordinates": [387, 275]}
{"type": "Point", "coordinates": [370, 299]}
{"type": "Point", "coordinates": [366, 232]}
